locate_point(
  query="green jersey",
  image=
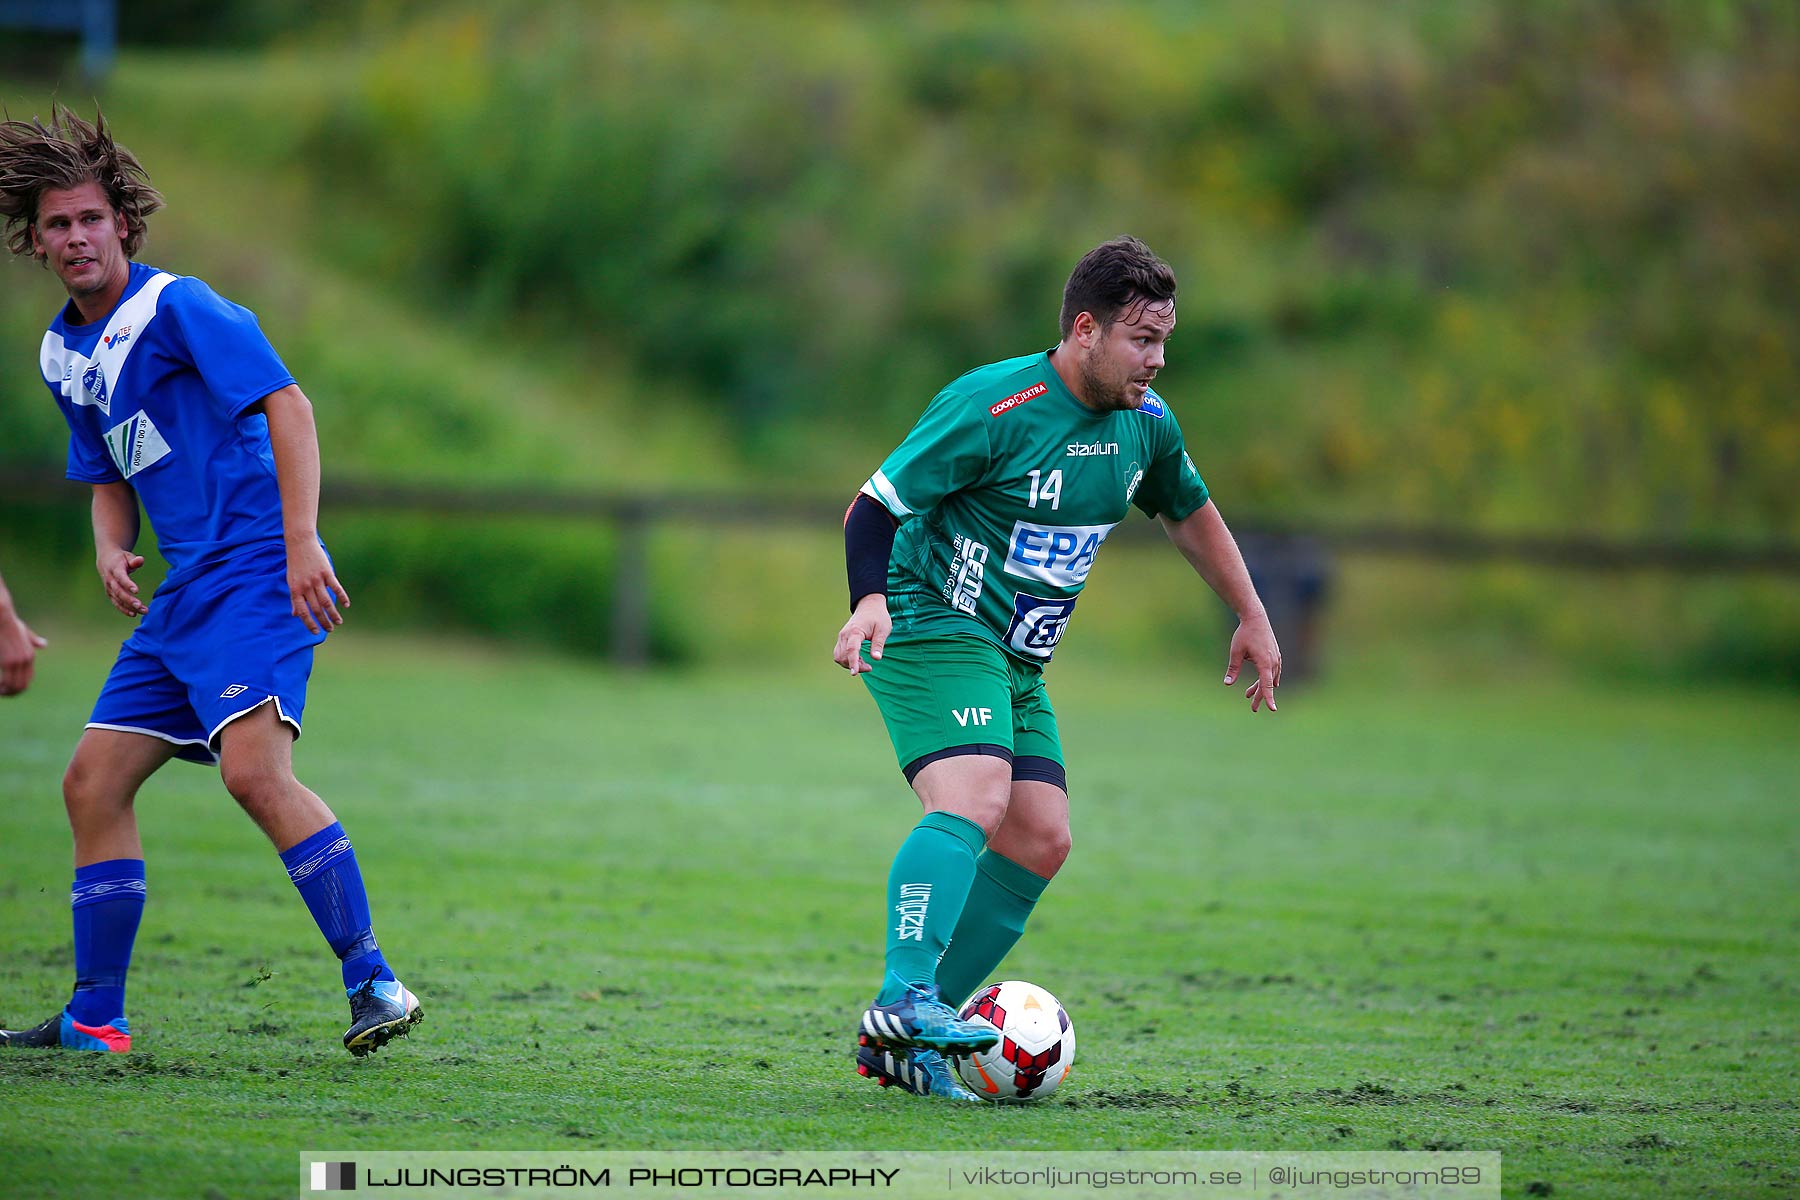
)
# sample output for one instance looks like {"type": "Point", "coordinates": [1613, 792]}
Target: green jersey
{"type": "Point", "coordinates": [1005, 491]}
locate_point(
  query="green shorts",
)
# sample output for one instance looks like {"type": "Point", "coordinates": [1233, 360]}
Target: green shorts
{"type": "Point", "coordinates": [942, 696]}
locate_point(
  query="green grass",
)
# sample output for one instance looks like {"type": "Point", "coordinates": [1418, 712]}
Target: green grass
{"type": "Point", "coordinates": [643, 910]}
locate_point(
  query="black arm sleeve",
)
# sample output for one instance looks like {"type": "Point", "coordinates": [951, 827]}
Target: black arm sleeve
{"type": "Point", "coordinates": [868, 543]}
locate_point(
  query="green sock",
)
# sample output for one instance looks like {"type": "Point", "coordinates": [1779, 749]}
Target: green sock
{"type": "Point", "coordinates": [926, 889]}
{"type": "Point", "coordinates": [1000, 900]}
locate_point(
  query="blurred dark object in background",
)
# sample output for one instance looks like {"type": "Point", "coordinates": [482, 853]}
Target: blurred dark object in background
{"type": "Point", "coordinates": [38, 34]}
{"type": "Point", "coordinates": [242, 23]}
{"type": "Point", "coordinates": [1292, 573]}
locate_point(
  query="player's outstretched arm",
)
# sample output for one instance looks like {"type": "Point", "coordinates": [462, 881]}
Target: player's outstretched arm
{"type": "Point", "coordinates": [18, 647]}
{"type": "Point", "coordinates": [1205, 542]}
{"type": "Point", "coordinates": [115, 536]}
{"type": "Point", "coordinates": [294, 438]}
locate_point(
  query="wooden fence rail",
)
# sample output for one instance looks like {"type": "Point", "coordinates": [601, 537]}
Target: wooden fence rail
{"type": "Point", "coordinates": [1285, 553]}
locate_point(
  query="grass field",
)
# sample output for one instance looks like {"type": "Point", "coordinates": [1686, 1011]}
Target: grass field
{"type": "Point", "coordinates": [642, 912]}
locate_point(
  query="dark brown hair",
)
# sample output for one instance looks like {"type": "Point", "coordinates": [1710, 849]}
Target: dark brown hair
{"type": "Point", "coordinates": [35, 158]}
{"type": "Point", "coordinates": [1113, 277]}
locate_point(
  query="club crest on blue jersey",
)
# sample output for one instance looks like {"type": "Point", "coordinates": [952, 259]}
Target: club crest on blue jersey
{"type": "Point", "coordinates": [1153, 406]}
{"type": "Point", "coordinates": [1038, 624]}
{"type": "Point", "coordinates": [93, 384]}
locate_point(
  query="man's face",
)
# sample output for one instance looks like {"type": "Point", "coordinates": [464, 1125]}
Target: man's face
{"type": "Point", "coordinates": [81, 238]}
{"type": "Point", "coordinates": [1118, 361]}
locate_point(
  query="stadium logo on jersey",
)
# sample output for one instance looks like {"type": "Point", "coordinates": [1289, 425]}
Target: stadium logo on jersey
{"type": "Point", "coordinates": [135, 444]}
{"type": "Point", "coordinates": [93, 385]}
{"type": "Point", "coordinates": [1091, 449]}
{"type": "Point", "coordinates": [117, 339]}
{"type": "Point", "coordinates": [1154, 406]}
{"type": "Point", "coordinates": [1059, 555]}
{"type": "Point", "coordinates": [1038, 624]}
{"type": "Point", "coordinates": [1017, 398]}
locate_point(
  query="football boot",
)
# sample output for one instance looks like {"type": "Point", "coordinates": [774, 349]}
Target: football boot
{"type": "Point", "coordinates": [380, 1010]}
{"type": "Point", "coordinates": [920, 1018]}
{"type": "Point", "coordinates": [921, 1072]}
{"type": "Point", "coordinates": [64, 1030]}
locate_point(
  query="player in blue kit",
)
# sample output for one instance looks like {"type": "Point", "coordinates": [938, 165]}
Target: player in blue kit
{"type": "Point", "coordinates": [175, 400]}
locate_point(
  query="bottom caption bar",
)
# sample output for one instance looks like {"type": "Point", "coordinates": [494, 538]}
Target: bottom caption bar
{"type": "Point", "coordinates": [1220, 1175]}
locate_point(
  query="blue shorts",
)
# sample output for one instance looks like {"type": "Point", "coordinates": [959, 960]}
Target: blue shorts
{"type": "Point", "coordinates": [217, 646]}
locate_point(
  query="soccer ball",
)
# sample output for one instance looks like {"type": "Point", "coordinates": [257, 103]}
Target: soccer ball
{"type": "Point", "coordinates": [1036, 1046]}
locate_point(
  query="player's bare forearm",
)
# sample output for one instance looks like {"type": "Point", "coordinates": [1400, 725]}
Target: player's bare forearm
{"type": "Point", "coordinates": [294, 440]}
{"type": "Point", "coordinates": [115, 513]}
{"type": "Point", "coordinates": [1205, 542]}
{"type": "Point", "coordinates": [115, 518]}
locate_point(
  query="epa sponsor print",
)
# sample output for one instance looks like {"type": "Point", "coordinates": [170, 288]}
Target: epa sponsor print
{"type": "Point", "coordinates": [1059, 555]}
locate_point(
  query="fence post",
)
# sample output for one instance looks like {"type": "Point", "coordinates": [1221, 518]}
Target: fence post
{"type": "Point", "coordinates": [99, 35]}
{"type": "Point", "coordinates": [631, 587]}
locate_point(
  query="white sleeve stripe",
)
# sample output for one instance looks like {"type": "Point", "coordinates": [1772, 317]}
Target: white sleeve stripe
{"type": "Point", "coordinates": [880, 489]}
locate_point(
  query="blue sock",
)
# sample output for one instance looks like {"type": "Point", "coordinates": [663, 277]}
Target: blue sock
{"type": "Point", "coordinates": [106, 903]}
{"type": "Point", "coordinates": [324, 868]}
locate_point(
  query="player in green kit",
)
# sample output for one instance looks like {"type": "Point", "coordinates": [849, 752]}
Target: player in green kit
{"type": "Point", "coordinates": [967, 551]}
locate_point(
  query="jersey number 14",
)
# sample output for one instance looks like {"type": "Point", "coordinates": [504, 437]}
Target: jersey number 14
{"type": "Point", "coordinates": [1046, 488]}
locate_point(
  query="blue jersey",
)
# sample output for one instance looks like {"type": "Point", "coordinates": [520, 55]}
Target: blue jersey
{"type": "Point", "coordinates": [154, 393]}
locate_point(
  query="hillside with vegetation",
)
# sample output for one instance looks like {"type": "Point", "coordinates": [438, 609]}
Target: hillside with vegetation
{"type": "Point", "coordinates": [1495, 265]}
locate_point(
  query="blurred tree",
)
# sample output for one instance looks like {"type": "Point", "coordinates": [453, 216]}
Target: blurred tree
{"type": "Point", "coordinates": [1516, 264]}
{"type": "Point", "coordinates": [172, 23]}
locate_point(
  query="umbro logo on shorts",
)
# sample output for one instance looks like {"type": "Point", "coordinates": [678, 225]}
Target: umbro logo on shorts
{"type": "Point", "coordinates": [236, 689]}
